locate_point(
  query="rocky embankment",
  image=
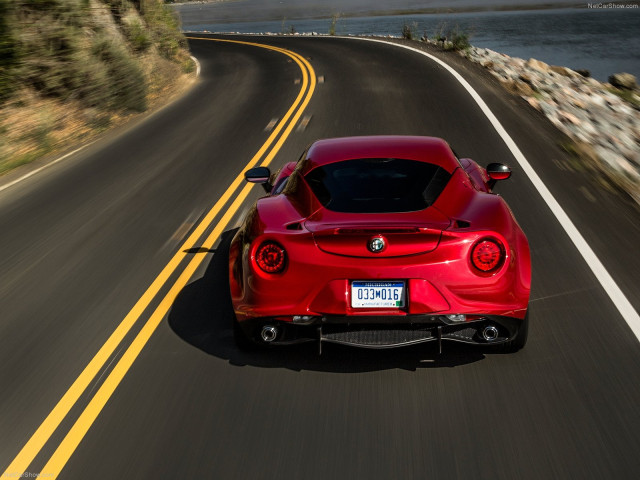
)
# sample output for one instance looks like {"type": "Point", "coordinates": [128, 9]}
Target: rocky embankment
{"type": "Point", "coordinates": [604, 126]}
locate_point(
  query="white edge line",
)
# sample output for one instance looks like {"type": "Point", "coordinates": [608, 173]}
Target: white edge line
{"type": "Point", "coordinates": [195, 60]}
{"type": "Point", "coordinates": [53, 162]}
{"type": "Point", "coordinates": [609, 285]}
{"type": "Point", "coordinates": [49, 164]}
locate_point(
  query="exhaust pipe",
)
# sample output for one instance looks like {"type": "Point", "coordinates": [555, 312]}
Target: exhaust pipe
{"type": "Point", "coordinates": [269, 333]}
{"type": "Point", "coordinates": [490, 333]}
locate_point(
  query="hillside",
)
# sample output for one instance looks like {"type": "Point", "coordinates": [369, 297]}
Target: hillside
{"type": "Point", "coordinates": [72, 68]}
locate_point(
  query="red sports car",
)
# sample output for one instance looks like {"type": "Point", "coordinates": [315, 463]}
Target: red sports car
{"type": "Point", "coordinates": [379, 242]}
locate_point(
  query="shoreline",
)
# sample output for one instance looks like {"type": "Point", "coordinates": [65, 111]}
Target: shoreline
{"type": "Point", "coordinates": [400, 12]}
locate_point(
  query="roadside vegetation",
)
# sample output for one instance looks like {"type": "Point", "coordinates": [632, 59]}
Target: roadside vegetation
{"type": "Point", "coordinates": [334, 22]}
{"type": "Point", "coordinates": [71, 68]}
{"type": "Point", "coordinates": [453, 39]}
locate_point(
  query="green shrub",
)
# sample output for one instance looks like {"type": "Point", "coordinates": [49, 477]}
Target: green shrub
{"type": "Point", "coordinates": [164, 24]}
{"type": "Point", "coordinates": [334, 22]}
{"type": "Point", "coordinates": [459, 40]}
{"type": "Point", "coordinates": [408, 31]}
{"type": "Point", "coordinates": [188, 65]}
{"type": "Point", "coordinates": [48, 58]}
{"type": "Point", "coordinates": [126, 86]}
{"type": "Point", "coordinates": [138, 36]}
{"type": "Point", "coordinates": [8, 49]}
{"type": "Point", "coordinates": [453, 39]}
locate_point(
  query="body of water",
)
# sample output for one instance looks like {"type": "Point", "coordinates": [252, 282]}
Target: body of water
{"type": "Point", "coordinates": [603, 41]}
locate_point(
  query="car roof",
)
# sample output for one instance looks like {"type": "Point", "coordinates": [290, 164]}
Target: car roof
{"type": "Point", "coordinates": [424, 149]}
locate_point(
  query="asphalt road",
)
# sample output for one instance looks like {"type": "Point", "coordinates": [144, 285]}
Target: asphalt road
{"type": "Point", "coordinates": [84, 239]}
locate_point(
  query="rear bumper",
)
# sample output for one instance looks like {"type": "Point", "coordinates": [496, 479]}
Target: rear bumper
{"type": "Point", "coordinates": [319, 284]}
{"type": "Point", "coordinates": [384, 331]}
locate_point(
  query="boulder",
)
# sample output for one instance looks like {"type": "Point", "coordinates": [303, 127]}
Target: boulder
{"type": "Point", "coordinates": [537, 65]}
{"type": "Point", "coordinates": [564, 71]}
{"type": "Point", "coordinates": [519, 88]}
{"type": "Point", "coordinates": [535, 103]}
{"type": "Point", "coordinates": [623, 80]}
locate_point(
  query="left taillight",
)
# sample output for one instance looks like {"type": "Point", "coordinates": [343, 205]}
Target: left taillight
{"type": "Point", "coordinates": [487, 255]}
{"type": "Point", "coordinates": [271, 257]}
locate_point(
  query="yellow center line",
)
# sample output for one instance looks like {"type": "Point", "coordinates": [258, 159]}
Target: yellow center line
{"type": "Point", "coordinates": [69, 399]}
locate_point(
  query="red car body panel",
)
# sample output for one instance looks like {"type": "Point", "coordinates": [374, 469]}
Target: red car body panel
{"type": "Point", "coordinates": [429, 249]}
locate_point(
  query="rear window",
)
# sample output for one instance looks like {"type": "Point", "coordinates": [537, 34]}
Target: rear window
{"type": "Point", "coordinates": [377, 185]}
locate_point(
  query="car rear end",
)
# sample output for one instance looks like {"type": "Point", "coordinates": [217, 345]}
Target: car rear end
{"type": "Point", "coordinates": [375, 263]}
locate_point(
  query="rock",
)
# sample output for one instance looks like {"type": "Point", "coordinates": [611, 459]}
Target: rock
{"type": "Point", "coordinates": [568, 117]}
{"type": "Point", "coordinates": [567, 72]}
{"type": "Point", "coordinates": [519, 88]}
{"type": "Point", "coordinates": [623, 80]}
{"type": "Point", "coordinates": [537, 65]}
{"type": "Point", "coordinates": [534, 103]}
{"type": "Point", "coordinates": [525, 78]}
{"type": "Point", "coordinates": [611, 159]}
{"type": "Point", "coordinates": [579, 104]}
{"type": "Point", "coordinates": [584, 73]}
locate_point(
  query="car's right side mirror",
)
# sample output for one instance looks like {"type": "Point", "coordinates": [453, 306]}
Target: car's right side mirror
{"type": "Point", "coordinates": [259, 175]}
{"type": "Point", "coordinates": [497, 171]}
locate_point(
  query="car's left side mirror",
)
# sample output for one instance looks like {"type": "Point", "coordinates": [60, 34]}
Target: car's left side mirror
{"type": "Point", "coordinates": [259, 175]}
{"type": "Point", "coordinates": [497, 171]}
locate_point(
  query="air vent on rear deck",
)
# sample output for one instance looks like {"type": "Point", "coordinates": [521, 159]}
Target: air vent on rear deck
{"type": "Point", "coordinates": [462, 224]}
{"type": "Point", "coordinates": [294, 226]}
{"type": "Point", "coordinates": [376, 231]}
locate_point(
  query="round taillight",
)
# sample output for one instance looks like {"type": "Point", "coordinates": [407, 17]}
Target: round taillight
{"type": "Point", "coordinates": [487, 255]}
{"type": "Point", "coordinates": [271, 257]}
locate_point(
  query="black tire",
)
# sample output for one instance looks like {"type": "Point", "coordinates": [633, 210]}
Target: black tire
{"type": "Point", "coordinates": [520, 340]}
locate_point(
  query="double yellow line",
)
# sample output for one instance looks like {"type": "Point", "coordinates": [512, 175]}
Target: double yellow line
{"type": "Point", "coordinates": [79, 429]}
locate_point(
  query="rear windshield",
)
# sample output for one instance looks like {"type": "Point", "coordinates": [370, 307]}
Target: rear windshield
{"type": "Point", "coordinates": [377, 185]}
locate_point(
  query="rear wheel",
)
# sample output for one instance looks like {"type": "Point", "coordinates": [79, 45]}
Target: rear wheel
{"type": "Point", "coordinates": [520, 340]}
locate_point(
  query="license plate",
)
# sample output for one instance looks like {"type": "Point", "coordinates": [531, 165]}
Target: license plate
{"type": "Point", "coordinates": [377, 294]}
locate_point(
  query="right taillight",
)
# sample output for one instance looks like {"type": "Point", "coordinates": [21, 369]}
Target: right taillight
{"type": "Point", "coordinates": [271, 257]}
{"type": "Point", "coordinates": [487, 255]}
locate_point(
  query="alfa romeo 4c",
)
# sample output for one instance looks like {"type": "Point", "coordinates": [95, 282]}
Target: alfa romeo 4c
{"type": "Point", "coordinates": [380, 242]}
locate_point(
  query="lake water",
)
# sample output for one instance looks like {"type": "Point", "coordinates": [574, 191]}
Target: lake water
{"type": "Point", "coordinates": [603, 41]}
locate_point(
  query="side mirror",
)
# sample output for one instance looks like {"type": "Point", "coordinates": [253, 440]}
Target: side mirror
{"type": "Point", "coordinates": [259, 175]}
{"type": "Point", "coordinates": [497, 171]}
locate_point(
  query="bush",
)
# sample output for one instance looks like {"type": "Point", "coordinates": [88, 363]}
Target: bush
{"type": "Point", "coordinates": [137, 36]}
{"type": "Point", "coordinates": [453, 39]}
{"type": "Point", "coordinates": [334, 22]}
{"type": "Point", "coordinates": [126, 86]}
{"type": "Point", "coordinates": [8, 49]}
{"type": "Point", "coordinates": [48, 53]}
{"type": "Point", "coordinates": [459, 40]}
{"type": "Point", "coordinates": [165, 29]}
{"type": "Point", "coordinates": [408, 31]}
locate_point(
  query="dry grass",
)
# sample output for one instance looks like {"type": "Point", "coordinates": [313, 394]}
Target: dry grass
{"type": "Point", "coordinates": [33, 126]}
